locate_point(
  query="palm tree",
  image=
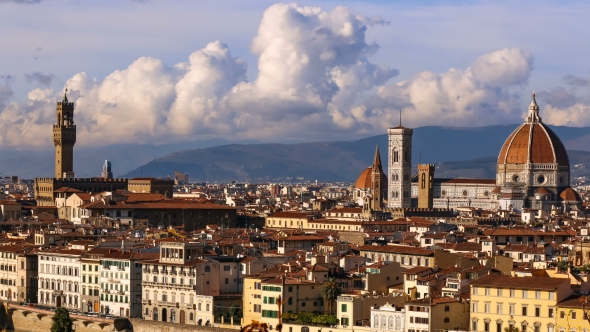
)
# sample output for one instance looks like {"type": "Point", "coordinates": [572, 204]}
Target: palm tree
{"type": "Point", "coordinates": [330, 290]}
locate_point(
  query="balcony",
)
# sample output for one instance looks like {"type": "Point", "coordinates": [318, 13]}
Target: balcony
{"type": "Point", "coordinates": [116, 281]}
{"type": "Point", "coordinates": [155, 271]}
{"type": "Point", "coordinates": [173, 272]}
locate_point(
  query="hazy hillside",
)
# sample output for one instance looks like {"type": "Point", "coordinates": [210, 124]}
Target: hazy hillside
{"type": "Point", "coordinates": [207, 160]}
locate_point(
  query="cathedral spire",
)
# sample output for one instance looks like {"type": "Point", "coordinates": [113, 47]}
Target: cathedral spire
{"type": "Point", "coordinates": [377, 159]}
{"type": "Point", "coordinates": [533, 116]}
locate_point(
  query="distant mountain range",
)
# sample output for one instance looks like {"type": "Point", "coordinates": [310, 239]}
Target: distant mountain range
{"type": "Point", "coordinates": [460, 152]}
{"type": "Point", "coordinates": [464, 152]}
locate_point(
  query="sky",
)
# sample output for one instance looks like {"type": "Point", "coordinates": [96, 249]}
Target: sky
{"type": "Point", "coordinates": [170, 71]}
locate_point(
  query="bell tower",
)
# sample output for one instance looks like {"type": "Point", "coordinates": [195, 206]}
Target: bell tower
{"type": "Point", "coordinates": [400, 166]}
{"type": "Point", "coordinates": [64, 138]}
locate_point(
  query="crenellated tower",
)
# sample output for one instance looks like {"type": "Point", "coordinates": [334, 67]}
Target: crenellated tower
{"type": "Point", "coordinates": [64, 138]}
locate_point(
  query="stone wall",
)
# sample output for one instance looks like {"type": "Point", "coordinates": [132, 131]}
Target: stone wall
{"type": "Point", "coordinates": [34, 320]}
{"type": "Point", "coordinates": [141, 325]}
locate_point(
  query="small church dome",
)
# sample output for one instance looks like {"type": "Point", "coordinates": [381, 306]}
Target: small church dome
{"type": "Point", "coordinates": [364, 180]}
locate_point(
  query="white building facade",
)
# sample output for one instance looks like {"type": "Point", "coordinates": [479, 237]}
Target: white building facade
{"type": "Point", "coordinates": [59, 278]}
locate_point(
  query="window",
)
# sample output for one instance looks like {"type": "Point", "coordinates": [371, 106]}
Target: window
{"type": "Point", "coordinates": [511, 309]}
{"type": "Point", "coordinates": [538, 295]}
{"type": "Point", "coordinates": [487, 307]}
{"type": "Point", "coordinates": [573, 315]}
{"type": "Point", "coordinates": [474, 290]}
{"type": "Point", "coordinates": [486, 326]}
{"type": "Point", "coordinates": [512, 293]}
{"type": "Point", "coordinates": [226, 268]}
{"type": "Point", "coordinates": [343, 308]}
{"type": "Point", "coordinates": [538, 312]}
{"type": "Point", "coordinates": [447, 308]}
{"type": "Point", "coordinates": [524, 310]}
{"type": "Point", "coordinates": [474, 306]}
{"type": "Point", "coordinates": [447, 319]}
{"type": "Point", "coordinates": [550, 312]}
{"type": "Point", "coordinates": [524, 294]}
{"type": "Point", "coordinates": [499, 292]}
{"type": "Point", "coordinates": [499, 308]}
{"type": "Point", "coordinates": [562, 314]}
{"type": "Point", "coordinates": [551, 296]}
{"type": "Point", "coordinates": [474, 325]}
{"type": "Point", "coordinates": [487, 292]}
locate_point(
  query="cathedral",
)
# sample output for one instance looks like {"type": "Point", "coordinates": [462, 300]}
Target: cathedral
{"type": "Point", "coordinates": [533, 172]}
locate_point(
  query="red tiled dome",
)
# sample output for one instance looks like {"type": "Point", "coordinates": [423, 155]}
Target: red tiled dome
{"type": "Point", "coordinates": [364, 180]}
{"type": "Point", "coordinates": [533, 142]}
{"type": "Point", "coordinates": [569, 195]}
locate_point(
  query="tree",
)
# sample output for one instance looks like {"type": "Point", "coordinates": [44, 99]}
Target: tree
{"type": "Point", "coordinates": [562, 266]}
{"type": "Point", "coordinates": [61, 321]}
{"type": "Point", "coordinates": [511, 328]}
{"type": "Point", "coordinates": [330, 290]}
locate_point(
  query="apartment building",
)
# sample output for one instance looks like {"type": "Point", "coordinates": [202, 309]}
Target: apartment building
{"type": "Point", "coordinates": [406, 256]}
{"type": "Point", "coordinates": [90, 279]}
{"type": "Point", "coordinates": [387, 318]}
{"type": "Point", "coordinates": [436, 314]}
{"type": "Point", "coordinates": [572, 314]}
{"type": "Point", "coordinates": [18, 273]}
{"type": "Point", "coordinates": [173, 282]}
{"type": "Point", "coordinates": [120, 283]}
{"type": "Point", "coordinates": [59, 278]}
{"type": "Point", "coordinates": [527, 303]}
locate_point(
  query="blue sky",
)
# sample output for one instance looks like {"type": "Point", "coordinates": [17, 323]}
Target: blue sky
{"type": "Point", "coordinates": [52, 41]}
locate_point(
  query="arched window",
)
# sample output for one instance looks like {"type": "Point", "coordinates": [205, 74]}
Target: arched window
{"type": "Point", "coordinates": [173, 316]}
{"type": "Point", "coordinates": [376, 321]}
{"type": "Point", "coordinates": [423, 181]}
{"type": "Point", "coordinates": [191, 316]}
{"type": "Point", "coordinates": [391, 322]}
{"type": "Point", "coordinates": [395, 155]}
{"type": "Point", "coordinates": [398, 322]}
{"type": "Point", "coordinates": [305, 329]}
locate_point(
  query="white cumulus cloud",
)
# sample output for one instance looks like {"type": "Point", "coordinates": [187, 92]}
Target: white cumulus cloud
{"type": "Point", "coordinates": [314, 80]}
{"type": "Point", "coordinates": [485, 93]}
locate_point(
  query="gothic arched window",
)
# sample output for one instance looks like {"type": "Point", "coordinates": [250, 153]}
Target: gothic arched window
{"type": "Point", "coordinates": [395, 155]}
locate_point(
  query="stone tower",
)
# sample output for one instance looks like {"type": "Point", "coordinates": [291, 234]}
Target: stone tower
{"type": "Point", "coordinates": [425, 186]}
{"type": "Point", "coordinates": [106, 170]}
{"type": "Point", "coordinates": [64, 138]}
{"type": "Point", "coordinates": [376, 189]}
{"type": "Point", "coordinates": [400, 167]}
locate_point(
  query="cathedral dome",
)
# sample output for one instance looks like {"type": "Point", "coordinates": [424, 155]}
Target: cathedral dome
{"type": "Point", "coordinates": [364, 180]}
{"type": "Point", "coordinates": [533, 142]}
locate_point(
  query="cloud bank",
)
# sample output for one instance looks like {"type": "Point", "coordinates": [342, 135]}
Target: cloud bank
{"type": "Point", "coordinates": [315, 81]}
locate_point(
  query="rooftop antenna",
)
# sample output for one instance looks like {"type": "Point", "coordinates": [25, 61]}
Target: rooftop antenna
{"type": "Point", "coordinates": [400, 117]}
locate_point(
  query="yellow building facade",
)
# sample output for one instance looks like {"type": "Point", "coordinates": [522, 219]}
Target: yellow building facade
{"type": "Point", "coordinates": [572, 314]}
{"type": "Point", "coordinates": [527, 303]}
